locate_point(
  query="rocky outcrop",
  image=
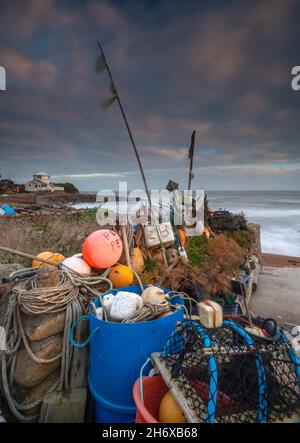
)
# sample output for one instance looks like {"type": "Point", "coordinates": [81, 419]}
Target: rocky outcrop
{"type": "Point", "coordinates": [256, 245]}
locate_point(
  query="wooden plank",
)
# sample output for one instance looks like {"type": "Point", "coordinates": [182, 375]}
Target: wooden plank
{"type": "Point", "coordinates": [182, 402]}
{"type": "Point", "coordinates": [79, 369]}
{"type": "Point", "coordinates": [255, 278]}
{"type": "Point", "coordinates": [64, 407]}
{"type": "Point", "coordinates": [295, 418]}
{"type": "Point", "coordinates": [242, 350]}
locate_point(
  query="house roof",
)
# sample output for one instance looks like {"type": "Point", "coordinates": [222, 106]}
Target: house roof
{"type": "Point", "coordinates": [37, 182]}
{"type": "Point", "coordinates": [42, 173]}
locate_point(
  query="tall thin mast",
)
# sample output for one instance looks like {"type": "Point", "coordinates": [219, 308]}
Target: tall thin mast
{"type": "Point", "coordinates": [127, 127]}
{"type": "Point", "coordinates": [135, 149]}
{"type": "Point", "coordinates": [191, 157]}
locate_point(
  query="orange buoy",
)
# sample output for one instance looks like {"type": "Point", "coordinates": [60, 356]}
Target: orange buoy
{"type": "Point", "coordinates": [121, 276]}
{"type": "Point", "coordinates": [102, 248]}
{"type": "Point", "coordinates": [55, 257]}
{"type": "Point", "coordinates": [169, 411]}
{"type": "Point", "coordinates": [181, 237]}
{"type": "Point", "coordinates": [206, 232]}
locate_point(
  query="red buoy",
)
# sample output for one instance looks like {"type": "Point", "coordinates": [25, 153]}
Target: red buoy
{"type": "Point", "coordinates": [102, 249]}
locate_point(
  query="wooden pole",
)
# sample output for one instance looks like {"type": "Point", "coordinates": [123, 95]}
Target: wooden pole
{"type": "Point", "coordinates": [126, 247]}
{"type": "Point", "coordinates": [134, 148]}
{"type": "Point", "coordinates": [32, 257]}
{"type": "Point", "coordinates": [191, 157]}
{"type": "Point", "coordinates": [127, 126]}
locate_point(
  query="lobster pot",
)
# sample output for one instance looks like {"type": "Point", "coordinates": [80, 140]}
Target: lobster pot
{"type": "Point", "coordinates": [228, 376]}
{"type": "Point", "coordinates": [117, 353]}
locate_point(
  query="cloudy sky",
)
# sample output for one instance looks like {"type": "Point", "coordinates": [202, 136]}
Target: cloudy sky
{"type": "Point", "coordinates": [222, 68]}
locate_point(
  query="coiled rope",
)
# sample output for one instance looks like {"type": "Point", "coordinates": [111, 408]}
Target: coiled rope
{"type": "Point", "coordinates": [148, 312]}
{"type": "Point", "coordinates": [71, 295]}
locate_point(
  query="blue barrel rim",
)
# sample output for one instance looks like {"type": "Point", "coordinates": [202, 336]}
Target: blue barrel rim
{"type": "Point", "coordinates": [96, 301]}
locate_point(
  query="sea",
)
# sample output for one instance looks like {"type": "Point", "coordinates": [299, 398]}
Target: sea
{"type": "Point", "coordinates": [277, 212]}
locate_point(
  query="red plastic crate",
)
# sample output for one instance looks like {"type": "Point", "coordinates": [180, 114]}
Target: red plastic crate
{"type": "Point", "coordinates": [154, 388]}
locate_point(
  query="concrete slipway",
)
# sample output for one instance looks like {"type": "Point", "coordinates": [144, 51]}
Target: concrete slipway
{"type": "Point", "coordinates": [278, 294]}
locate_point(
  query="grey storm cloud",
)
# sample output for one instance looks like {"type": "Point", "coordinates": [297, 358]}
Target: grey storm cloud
{"type": "Point", "coordinates": [222, 68]}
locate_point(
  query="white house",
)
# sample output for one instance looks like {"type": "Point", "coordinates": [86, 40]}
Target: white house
{"type": "Point", "coordinates": [42, 182]}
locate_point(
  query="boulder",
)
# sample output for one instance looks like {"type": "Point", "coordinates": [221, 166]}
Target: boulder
{"type": "Point", "coordinates": [28, 373]}
{"type": "Point", "coordinates": [42, 326]}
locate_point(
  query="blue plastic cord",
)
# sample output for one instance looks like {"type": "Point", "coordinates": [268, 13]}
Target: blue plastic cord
{"type": "Point", "coordinates": [292, 354]}
{"type": "Point", "coordinates": [213, 380]}
{"type": "Point", "coordinates": [213, 383]}
{"type": "Point", "coordinates": [262, 384]}
{"type": "Point", "coordinates": [71, 334]}
{"type": "Point", "coordinates": [141, 379]}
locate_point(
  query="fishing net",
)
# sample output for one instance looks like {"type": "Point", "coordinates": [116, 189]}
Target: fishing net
{"type": "Point", "coordinates": [228, 376]}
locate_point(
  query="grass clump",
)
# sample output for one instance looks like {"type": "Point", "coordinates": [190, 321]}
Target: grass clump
{"type": "Point", "coordinates": [150, 264]}
{"type": "Point", "coordinates": [197, 250]}
{"type": "Point", "coordinates": [88, 214]}
{"type": "Point", "coordinates": [244, 238]}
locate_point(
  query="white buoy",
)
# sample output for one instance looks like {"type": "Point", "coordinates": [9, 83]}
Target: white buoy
{"type": "Point", "coordinates": [77, 264]}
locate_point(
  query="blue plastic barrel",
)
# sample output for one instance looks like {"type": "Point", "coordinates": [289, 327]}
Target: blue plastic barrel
{"type": "Point", "coordinates": [117, 353]}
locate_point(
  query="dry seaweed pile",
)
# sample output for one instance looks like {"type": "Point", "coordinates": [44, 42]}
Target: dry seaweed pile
{"type": "Point", "coordinates": [213, 263]}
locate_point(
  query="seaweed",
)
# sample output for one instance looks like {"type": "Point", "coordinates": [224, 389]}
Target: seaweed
{"type": "Point", "coordinates": [244, 238]}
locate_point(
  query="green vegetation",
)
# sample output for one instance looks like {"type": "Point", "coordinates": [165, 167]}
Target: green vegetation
{"type": "Point", "coordinates": [150, 265]}
{"type": "Point", "coordinates": [197, 250]}
{"type": "Point", "coordinates": [88, 214]}
{"type": "Point", "coordinates": [69, 187]}
{"type": "Point", "coordinates": [69, 249]}
{"type": "Point", "coordinates": [244, 238]}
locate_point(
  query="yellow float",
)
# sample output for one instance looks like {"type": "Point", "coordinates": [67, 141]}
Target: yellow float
{"type": "Point", "coordinates": [54, 257]}
{"type": "Point", "coordinates": [169, 411]}
{"type": "Point", "coordinates": [121, 276]}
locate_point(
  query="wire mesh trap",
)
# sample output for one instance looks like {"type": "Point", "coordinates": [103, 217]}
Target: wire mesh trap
{"type": "Point", "coordinates": [225, 375]}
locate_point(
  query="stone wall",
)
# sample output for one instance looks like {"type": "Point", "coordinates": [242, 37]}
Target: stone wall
{"type": "Point", "coordinates": [256, 247]}
{"type": "Point", "coordinates": [64, 197]}
{"type": "Point", "coordinates": [46, 197]}
{"type": "Point", "coordinates": [16, 199]}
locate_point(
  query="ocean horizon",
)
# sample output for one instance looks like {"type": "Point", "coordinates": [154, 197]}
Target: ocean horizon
{"type": "Point", "coordinates": [277, 212]}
